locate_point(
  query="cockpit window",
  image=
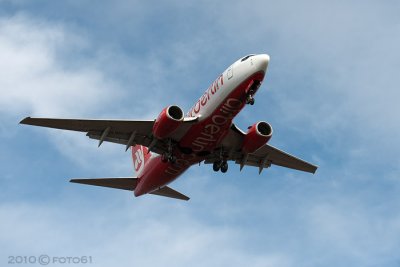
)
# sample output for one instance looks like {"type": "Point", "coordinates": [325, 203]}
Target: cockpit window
{"type": "Point", "coordinates": [246, 57]}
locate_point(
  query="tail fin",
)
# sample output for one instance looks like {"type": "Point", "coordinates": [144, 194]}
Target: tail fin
{"type": "Point", "coordinates": [140, 156]}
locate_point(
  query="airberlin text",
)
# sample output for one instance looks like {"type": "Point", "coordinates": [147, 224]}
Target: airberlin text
{"type": "Point", "coordinates": [214, 87]}
{"type": "Point", "coordinates": [219, 122]}
{"type": "Point", "coordinates": [181, 163]}
{"type": "Point", "coordinates": [212, 132]}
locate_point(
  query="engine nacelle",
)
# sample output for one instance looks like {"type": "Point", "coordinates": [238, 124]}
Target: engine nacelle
{"type": "Point", "coordinates": [257, 135]}
{"type": "Point", "coordinates": [167, 122]}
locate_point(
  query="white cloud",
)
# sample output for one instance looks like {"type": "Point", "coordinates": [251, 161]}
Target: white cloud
{"type": "Point", "coordinates": [39, 78]}
{"type": "Point", "coordinates": [347, 228]}
{"type": "Point", "coordinates": [282, 230]}
{"type": "Point", "coordinates": [130, 235]}
{"type": "Point", "coordinates": [34, 79]}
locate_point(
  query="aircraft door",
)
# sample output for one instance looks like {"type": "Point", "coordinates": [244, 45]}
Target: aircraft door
{"type": "Point", "coordinates": [230, 72]}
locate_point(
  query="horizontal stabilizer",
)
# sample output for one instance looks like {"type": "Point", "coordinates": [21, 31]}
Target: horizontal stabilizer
{"type": "Point", "coordinates": [118, 183]}
{"type": "Point", "coordinates": [129, 183]}
{"type": "Point", "coordinates": [169, 192]}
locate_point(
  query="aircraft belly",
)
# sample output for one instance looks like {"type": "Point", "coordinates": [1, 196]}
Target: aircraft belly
{"type": "Point", "coordinates": [201, 139]}
{"type": "Point", "coordinates": [158, 173]}
{"type": "Point", "coordinates": [206, 135]}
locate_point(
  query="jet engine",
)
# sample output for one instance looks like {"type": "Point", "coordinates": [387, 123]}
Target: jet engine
{"type": "Point", "coordinates": [257, 135]}
{"type": "Point", "coordinates": [167, 122]}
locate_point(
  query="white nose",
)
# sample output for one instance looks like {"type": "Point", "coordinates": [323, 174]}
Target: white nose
{"type": "Point", "coordinates": [261, 62]}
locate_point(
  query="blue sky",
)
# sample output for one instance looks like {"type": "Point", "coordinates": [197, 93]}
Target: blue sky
{"type": "Point", "coordinates": [331, 94]}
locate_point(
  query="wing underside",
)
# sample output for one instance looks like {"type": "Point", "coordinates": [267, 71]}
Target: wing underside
{"type": "Point", "coordinates": [125, 132]}
{"type": "Point", "coordinates": [261, 158]}
{"type": "Point", "coordinates": [267, 155]}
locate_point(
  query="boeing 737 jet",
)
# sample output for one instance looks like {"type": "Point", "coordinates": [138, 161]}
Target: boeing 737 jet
{"type": "Point", "coordinates": [164, 148]}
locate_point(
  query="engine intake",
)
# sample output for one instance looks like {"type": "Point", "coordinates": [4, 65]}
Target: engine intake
{"type": "Point", "coordinates": [169, 119]}
{"type": "Point", "coordinates": [257, 135]}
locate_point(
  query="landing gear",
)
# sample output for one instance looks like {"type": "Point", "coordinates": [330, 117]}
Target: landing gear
{"type": "Point", "coordinates": [220, 165]}
{"type": "Point", "coordinates": [216, 166]}
{"type": "Point", "coordinates": [169, 156]}
{"type": "Point", "coordinates": [250, 100]}
{"type": "Point", "coordinates": [252, 90]}
{"type": "Point", "coordinates": [171, 159]}
{"type": "Point", "coordinates": [224, 167]}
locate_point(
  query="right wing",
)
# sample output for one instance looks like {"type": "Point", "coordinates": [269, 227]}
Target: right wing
{"type": "Point", "coordinates": [261, 158]}
{"type": "Point", "coordinates": [267, 155]}
{"type": "Point", "coordinates": [126, 132]}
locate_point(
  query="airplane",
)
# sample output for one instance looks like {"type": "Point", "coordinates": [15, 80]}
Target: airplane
{"type": "Point", "coordinates": [164, 148]}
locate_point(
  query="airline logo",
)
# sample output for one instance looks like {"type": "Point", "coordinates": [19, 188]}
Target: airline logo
{"type": "Point", "coordinates": [214, 87]}
{"type": "Point", "coordinates": [138, 160]}
{"type": "Point", "coordinates": [212, 131]}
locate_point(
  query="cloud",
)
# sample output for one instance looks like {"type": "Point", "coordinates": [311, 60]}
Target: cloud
{"type": "Point", "coordinates": [34, 79]}
{"type": "Point", "coordinates": [220, 228]}
{"type": "Point", "coordinates": [40, 79]}
{"type": "Point", "coordinates": [330, 91]}
{"type": "Point", "coordinates": [131, 234]}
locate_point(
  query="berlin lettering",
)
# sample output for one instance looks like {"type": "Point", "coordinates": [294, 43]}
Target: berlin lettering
{"type": "Point", "coordinates": [214, 87]}
{"type": "Point", "coordinates": [219, 122]}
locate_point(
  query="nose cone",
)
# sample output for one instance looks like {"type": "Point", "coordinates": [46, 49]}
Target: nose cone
{"type": "Point", "coordinates": [261, 62]}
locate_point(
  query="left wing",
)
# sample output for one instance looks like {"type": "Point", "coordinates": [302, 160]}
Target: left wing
{"type": "Point", "coordinates": [261, 158]}
{"type": "Point", "coordinates": [126, 132]}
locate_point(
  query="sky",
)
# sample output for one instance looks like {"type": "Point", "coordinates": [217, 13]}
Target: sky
{"type": "Point", "coordinates": [331, 95]}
